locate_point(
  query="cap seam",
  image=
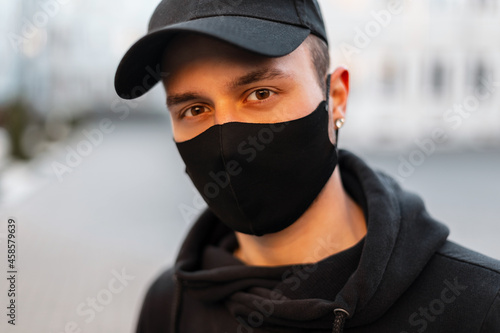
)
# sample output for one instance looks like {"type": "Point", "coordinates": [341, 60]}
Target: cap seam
{"type": "Point", "coordinates": [299, 8]}
{"type": "Point", "coordinates": [253, 17]}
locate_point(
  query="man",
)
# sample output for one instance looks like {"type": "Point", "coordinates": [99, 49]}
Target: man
{"type": "Point", "coordinates": [298, 235]}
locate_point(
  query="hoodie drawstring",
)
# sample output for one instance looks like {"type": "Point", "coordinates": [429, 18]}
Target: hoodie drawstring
{"type": "Point", "coordinates": [177, 305]}
{"type": "Point", "coordinates": [340, 317]}
{"type": "Point", "coordinates": [338, 323]}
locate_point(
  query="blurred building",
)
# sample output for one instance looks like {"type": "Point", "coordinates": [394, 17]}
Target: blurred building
{"type": "Point", "coordinates": [9, 80]}
{"type": "Point", "coordinates": [408, 70]}
{"type": "Point", "coordinates": [64, 52]}
{"type": "Point", "coordinates": [422, 68]}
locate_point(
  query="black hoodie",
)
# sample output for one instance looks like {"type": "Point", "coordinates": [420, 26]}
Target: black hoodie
{"type": "Point", "coordinates": [403, 277]}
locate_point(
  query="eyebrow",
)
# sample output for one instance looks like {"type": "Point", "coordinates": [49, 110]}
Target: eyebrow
{"type": "Point", "coordinates": [252, 77]}
{"type": "Point", "coordinates": [181, 98]}
{"type": "Point", "coordinates": [258, 75]}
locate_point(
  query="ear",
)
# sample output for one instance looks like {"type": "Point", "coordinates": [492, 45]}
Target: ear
{"type": "Point", "coordinates": [339, 91]}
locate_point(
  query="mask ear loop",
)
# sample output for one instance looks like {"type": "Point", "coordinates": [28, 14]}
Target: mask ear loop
{"type": "Point", "coordinates": [326, 107]}
{"type": "Point", "coordinates": [327, 90]}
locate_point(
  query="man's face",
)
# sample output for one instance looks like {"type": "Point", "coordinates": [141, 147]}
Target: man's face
{"type": "Point", "coordinates": [212, 82]}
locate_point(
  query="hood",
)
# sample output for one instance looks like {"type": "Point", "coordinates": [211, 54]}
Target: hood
{"type": "Point", "coordinates": [401, 239]}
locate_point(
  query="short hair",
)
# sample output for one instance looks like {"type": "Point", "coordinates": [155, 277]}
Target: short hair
{"type": "Point", "coordinates": [320, 58]}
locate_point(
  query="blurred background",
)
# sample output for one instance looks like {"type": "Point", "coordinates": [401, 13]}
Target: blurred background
{"type": "Point", "coordinates": [98, 190]}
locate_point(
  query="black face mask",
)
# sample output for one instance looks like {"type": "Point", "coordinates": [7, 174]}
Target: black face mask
{"type": "Point", "coordinates": [260, 178]}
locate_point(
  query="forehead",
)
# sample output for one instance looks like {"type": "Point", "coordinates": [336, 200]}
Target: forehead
{"type": "Point", "coordinates": [190, 52]}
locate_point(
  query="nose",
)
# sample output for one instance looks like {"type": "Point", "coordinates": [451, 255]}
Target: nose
{"type": "Point", "coordinates": [225, 113]}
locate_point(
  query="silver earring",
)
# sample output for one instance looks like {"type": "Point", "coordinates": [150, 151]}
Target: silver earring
{"type": "Point", "coordinates": [339, 123]}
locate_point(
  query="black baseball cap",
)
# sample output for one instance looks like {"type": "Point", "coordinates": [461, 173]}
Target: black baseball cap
{"type": "Point", "coordinates": [272, 28]}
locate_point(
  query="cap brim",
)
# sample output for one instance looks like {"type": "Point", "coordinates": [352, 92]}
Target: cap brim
{"type": "Point", "coordinates": [139, 70]}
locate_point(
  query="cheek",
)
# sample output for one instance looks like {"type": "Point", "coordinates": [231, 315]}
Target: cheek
{"type": "Point", "coordinates": [183, 130]}
{"type": "Point", "coordinates": [178, 132]}
{"type": "Point", "coordinates": [175, 130]}
{"type": "Point", "coordinates": [181, 133]}
{"type": "Point", "coordinates": [305, 100]}
{"type": "Point", "coordinates": [300, 102]}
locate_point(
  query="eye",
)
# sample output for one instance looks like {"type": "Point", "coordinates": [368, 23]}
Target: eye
{"type": "Point", "coordinates": [259, 95]}
{"type": "Point", "coordinates": [194, 111]}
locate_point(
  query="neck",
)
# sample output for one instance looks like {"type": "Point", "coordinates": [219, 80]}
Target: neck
{"type": "Point", "coordinates": [333, 223]}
